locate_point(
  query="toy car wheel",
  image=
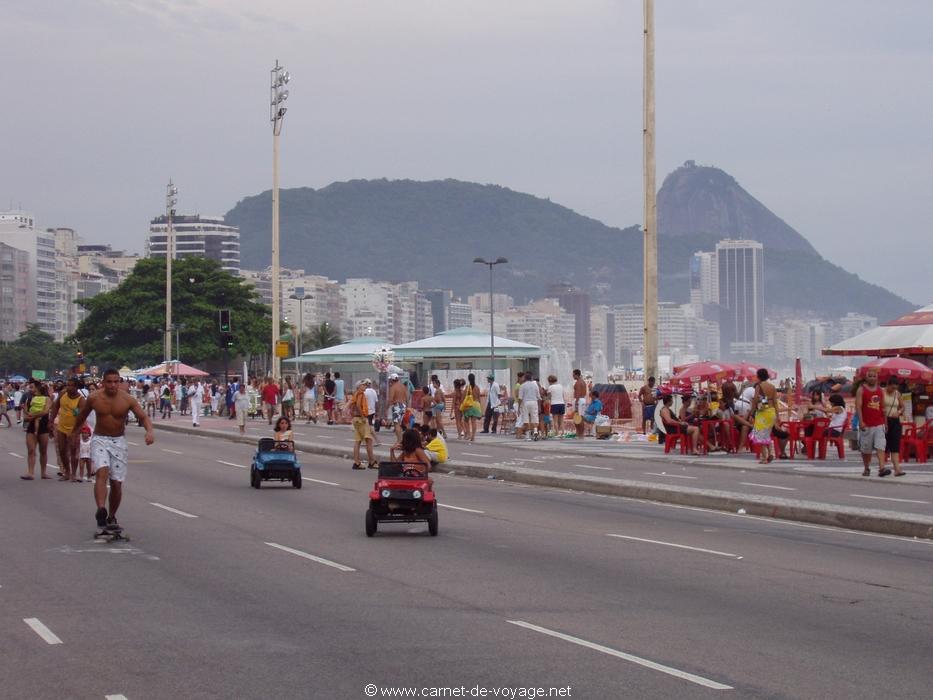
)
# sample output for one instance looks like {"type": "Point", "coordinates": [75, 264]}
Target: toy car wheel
{"type": "Point", "coordinates": [296, 481]}
{"type": "Point", "coordinates": [371, 525]}
{"type": "Point", "coordinates": [256, 480]}
{"type": "Point", "coordinates": [432, 522]}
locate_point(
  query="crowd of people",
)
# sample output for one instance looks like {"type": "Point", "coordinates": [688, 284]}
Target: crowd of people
{"type": "Point", "coordinates": [748, 416]}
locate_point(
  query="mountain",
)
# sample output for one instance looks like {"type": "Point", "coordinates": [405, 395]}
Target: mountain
{"type": "Point", "coordinates": [431, 231]}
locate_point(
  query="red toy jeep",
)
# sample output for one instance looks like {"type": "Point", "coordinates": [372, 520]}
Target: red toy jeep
{"type": "Point", "coordinates": [403, 493]}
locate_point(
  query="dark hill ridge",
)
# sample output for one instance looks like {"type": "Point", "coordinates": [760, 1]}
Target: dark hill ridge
{"type": "Point", "coordinates": [431, 231]}
{"type": "Point", "coordinates": [701, 199]}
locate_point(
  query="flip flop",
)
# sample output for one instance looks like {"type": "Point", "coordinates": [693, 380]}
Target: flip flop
{"type": "Point", "coordinates": [900, 473]}
{"type": "Point", "coordinates": [26, 478]}
{"type": "Point", "coordinates": [47, 477]}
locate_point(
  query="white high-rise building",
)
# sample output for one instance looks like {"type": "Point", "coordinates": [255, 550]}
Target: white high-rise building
{"type": "Point", "coordinates": [704, 278]}
{"type": "Point", "coordinates": [459, 315]}
{"type": "Point", "coordinates": [14, 292]}
{"type": "Point", "coordinates": [741, 297]}
{"type": "Point", "coordinates": [196, 236]}
{"type": "Point", "coordinates": [18, 230]}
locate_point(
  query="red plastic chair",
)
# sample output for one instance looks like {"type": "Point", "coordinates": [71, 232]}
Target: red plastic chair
{"type": "Point", "coordinates": [920, 443]}
{"type": "Point", "coordinates": [816, 438]}
{"type": "Point", "coordinates": [675, 435]}
{"type": "Point", "coordinates": [839, 442]}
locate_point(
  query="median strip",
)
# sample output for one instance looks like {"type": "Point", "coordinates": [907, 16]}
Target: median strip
{"type": "Point", "coordinates": [884, 498]}
{"type": "Point", "coordinates": [173, 510]}
{"type": "Point", "coordinates": [47, 635]}
{"type": "Point", "coordinates": [678, 546]}
{"type": "Point", "coordinates": [653, 665]}
{"type": "Point", "coordinates": [305, 555]}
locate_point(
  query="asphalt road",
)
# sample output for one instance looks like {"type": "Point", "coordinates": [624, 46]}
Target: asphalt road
{"type": "Point", "coordinates": [826, 481]}
{"type": "Point", "coordinates": [525, 587]}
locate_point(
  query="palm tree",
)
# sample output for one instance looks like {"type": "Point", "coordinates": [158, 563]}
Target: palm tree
{"type": "Point", "coordinates": [323, 336]}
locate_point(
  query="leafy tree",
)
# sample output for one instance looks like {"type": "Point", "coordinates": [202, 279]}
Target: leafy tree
{"type": "Point", "coordinates": [36, 349]}
{"type": "Point", "coordinates": [126, 325]}
{"type": "Point", "coordinates": [322, 336]}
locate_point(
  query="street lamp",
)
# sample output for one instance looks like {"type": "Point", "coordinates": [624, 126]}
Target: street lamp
{"type": "Point", "coordinates": [492, 337]}
{"type": "Point", "coordinates": [300, 296]}
{"type": "Point", "coordinates": [278, 95]}
{"type": "Point", "coordinates": [171, 199]}
{"type": "Point", "coordinates": [178, 327]}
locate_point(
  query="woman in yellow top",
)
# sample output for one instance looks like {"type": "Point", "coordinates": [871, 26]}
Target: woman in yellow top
{"type": "Point", "coordinates": [764, 408]}
{"type": "Point", "coordinates": [36, 418]}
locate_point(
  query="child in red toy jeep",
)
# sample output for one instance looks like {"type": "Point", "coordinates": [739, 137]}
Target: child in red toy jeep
{"type": "Point", "coordinates": [410, 452]}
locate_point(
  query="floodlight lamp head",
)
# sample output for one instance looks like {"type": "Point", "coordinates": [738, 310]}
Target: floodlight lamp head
{"type": "Point", "coordinates": [499, 261]}
{"type": "Point", "coordinates": [282, 96]}
{"type": "Point", "coordinates": [481, 261]}
{"type": "Point", "coordinates": [285, 78]}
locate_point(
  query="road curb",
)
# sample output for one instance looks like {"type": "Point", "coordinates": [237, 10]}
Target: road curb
{"type": "Point", "coordinates": [863, 519]}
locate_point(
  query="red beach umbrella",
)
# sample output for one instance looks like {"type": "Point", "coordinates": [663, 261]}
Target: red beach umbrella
{"type": "Point", "coordinates": [901, 368]}
{"type": "Point", "coordinates": [703, 372]}
{"type": "Point", "coordinates": [749, 371]}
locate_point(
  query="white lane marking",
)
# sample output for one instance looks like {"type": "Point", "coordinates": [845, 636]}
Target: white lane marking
{"type": "Point", "coordinates": [174, 452]}
{"type": "Point", "coordinates": [896, 500]}
{"type": "Point", "coordinates": [529, 459]}
{"type": "Point", "coordinates": [134, 444]}
{"type": "Point", "coordinates": [47, 635]}
{"type": "Point", "coordinates": [468, 454]}
{"type": "Point", "coordinates": [588, 466]}
{"type": "Point", "coordinates": [780, 521]}
{"type": "Point", "coordinates": [115, 697]}
{"type": "Point", "coordinates": [653, 665]}
{"type": "Point", "coordinates": [320, 481]}
{"type": "Point", "coordinates": [231, 464]}
{"type": "Point", "coordinates": [672, 476]}
{"type": "Point", "coordinates": [465, 510]}
{"type": "Point", "coordinates": [17, 456]}
{"type": "Point", "coordinates": [678, 546]}
{"type": "Point", "coordinates": [767, 486]}
{"type": "Point", "coordinates": [172, 510]}
{"type": "Point", "coordinates": [319, 560]}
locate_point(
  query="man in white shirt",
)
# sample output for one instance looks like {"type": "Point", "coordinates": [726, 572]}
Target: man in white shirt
{"type": "Point", "coordinates": [195, 396]}
{"type": "Point", "coordinates": [492, 403]}
{"type": "Point", "coordinates": [372, 398]}
{"type": "Point", "coordinates": [529, 394]}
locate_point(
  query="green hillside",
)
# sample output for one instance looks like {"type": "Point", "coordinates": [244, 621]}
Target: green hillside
{"type": "Point", "coordinates": [431, 231]}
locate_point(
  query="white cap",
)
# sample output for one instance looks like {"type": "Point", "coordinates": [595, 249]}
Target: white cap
{"type": "Point", "coordinates": [393, 376]}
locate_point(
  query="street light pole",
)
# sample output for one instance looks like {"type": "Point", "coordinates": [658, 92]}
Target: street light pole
{"type": "Point", "coordinates": [650, 364]}
{"type": "Point", "coordinates": [300, 296]}
{"type": "Point", "coordinates": [278, 95]}
{"type": "Point", "coordinates": [171, 199]}
{"type": "Point", "coordinates": [492, 336]}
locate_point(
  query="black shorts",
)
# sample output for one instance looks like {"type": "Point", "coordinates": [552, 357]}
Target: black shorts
{"type": "Point", "coordinates": [557, 409]}
{"type": "Point", "coordinates": [40, 426]}
{"type": "Point", "coordinates": [893, 436]}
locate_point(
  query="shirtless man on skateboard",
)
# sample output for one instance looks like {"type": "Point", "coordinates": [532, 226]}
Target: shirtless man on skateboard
{"type": "Point", "coordinates": [108, 446]}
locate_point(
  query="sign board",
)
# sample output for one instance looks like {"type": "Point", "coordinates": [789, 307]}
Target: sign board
{"type": "Point", "coordinates": [281, 348]}
{"type": "Point", "coordinates": [38, 374]}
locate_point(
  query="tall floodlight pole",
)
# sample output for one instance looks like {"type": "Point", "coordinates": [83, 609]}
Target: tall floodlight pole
{"type": "Point", "coordinates": [492, 335]}
{"type": "Point", "coordinates": [171, 199]}
{"type": "Point", "coordinates": [300, 296]}
{"type": "Point", "coordinates": [650, 365]}
{"type": "Point", "coordinates": [278, 95]}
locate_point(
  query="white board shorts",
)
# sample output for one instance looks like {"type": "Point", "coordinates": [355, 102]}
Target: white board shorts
{"type": "Point", "coordinates": [110, 453]}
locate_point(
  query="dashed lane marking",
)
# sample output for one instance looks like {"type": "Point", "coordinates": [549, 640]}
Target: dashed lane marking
{"type": "Point", "coordinates": [305, 555]}
{"type": "Point", "coordinates": [320, 481]}
{"type": "Point", "coordinates": [672, 476]}
{"type": "Point", "coordinates": [767, 486]}
{"type": "Point", "coordinates": [173, 510]}
{"type": "Point", "coordinates": [47, 635]}
{"type": "Point", "coordinates": [231, 464]}
{"type": "Point", "coordinates": [590, 466]}
{"type": "Point", "coordinates": [653, 665]}
{"type": "Point", "coordinates": [466, 454]}
{"type": "Point", "coordinates": [678, 546]}
{"type": "Point", "coordinates": [174, 452]}
{"type": "Point", "coordinates": [896, 500]}
{"type": "Point", "coordinates": [465, 510]}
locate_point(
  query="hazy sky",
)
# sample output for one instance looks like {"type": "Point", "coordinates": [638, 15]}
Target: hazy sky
{"type": "Point", "coordinates": [823, 110]}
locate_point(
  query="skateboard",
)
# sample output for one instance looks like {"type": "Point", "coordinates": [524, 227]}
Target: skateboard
{"type": "Point", "coordinates": [111, 535]}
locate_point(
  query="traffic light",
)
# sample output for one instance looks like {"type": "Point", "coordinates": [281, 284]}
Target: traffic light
{"type": "Point", "coordinates": [225, 320]}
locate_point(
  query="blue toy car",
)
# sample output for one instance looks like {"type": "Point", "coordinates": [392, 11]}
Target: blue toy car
{"type": "Point", "coordinates": [275, 460]}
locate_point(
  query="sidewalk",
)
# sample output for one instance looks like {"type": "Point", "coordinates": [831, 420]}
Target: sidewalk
{"type": "Point", "coordinates": [505, 459]}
